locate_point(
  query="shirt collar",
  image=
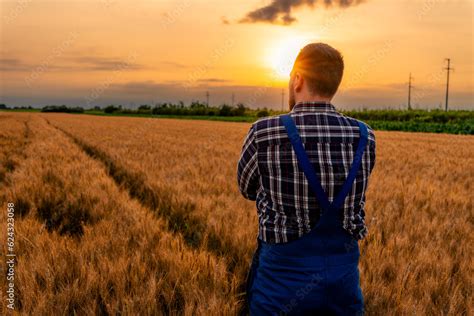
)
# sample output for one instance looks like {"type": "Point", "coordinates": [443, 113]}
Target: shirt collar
{"type": "Point", "coordinates": [314, 106]}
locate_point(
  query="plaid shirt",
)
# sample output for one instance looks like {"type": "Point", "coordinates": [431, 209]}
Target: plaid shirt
{"type": "Point", "coordinates": [268, 171]}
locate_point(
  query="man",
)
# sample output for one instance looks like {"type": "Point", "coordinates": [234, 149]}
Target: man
{"type": "Point", "coordinates": [308, 172]}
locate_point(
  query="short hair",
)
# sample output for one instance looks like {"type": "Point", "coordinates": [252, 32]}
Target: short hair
{"type": "Point", "coordinates": [322, 67]}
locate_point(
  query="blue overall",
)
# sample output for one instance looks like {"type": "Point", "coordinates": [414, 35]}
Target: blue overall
{"type": "Point", "coordinates": [318, 273]}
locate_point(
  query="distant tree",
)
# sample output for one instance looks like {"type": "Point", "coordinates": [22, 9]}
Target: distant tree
{"type": "Point", "coordinates": [111, 109]}
{"type": "Point", "coordinates": [144, 107]}
{"type": "Point", "coordinates": [239, 110]}
{"type": "Point", "coordinates": [3, 107]}
{"type": "Point", "coordinates": [225, 110]}
{"type": "Point", "coordinates": [263, 113]}
{"type": "Point", "coordinates": [62, 109]}
{"type": "Point", "coordinates": [197, 104]}
{"type": "Point", "coordinates": [76, 109]}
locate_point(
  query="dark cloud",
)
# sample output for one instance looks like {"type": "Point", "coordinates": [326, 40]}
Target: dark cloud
{"type": "Point", "coordinates": [279, 11]}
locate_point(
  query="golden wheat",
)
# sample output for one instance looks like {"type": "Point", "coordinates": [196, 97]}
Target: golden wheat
{"type": "Point", "coordinates": [143, 216]}
{"type": "Point", "coordinates": [123, 260]}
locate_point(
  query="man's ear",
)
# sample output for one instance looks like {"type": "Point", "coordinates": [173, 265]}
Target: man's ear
{"type": "Point", "coordinates": [298, 82]}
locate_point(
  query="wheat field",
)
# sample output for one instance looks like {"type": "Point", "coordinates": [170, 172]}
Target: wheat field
{"type": "Point", "coordinates": [142, 216]}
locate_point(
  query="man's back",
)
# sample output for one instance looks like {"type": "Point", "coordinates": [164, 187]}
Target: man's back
{"type": "Point", "coordinates": [269, 173]}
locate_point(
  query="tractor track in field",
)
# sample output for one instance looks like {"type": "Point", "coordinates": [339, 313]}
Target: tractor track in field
{"type": "Point", "coordinates": [162, 203]}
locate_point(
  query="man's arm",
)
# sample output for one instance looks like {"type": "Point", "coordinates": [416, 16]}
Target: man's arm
{"type": "Point", "coordinates": [372, 149]}
{"type": "Point", "coordinates": [247, 171]}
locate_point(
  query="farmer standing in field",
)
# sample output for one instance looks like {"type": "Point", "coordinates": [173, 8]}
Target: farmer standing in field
{"type": "Point", "coordinates": [308, 172]}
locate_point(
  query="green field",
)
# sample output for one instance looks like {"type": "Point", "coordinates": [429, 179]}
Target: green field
{"type": "Point", "coordinates": [434, 121]}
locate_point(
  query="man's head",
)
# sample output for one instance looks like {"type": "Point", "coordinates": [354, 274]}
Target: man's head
{"type": "Point", "coordinates": [316, 75]}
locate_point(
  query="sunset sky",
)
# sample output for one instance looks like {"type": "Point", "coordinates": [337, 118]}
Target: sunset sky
{"type": "Point", "coordinates": [131, 52]}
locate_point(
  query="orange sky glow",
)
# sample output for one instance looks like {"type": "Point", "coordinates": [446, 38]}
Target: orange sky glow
{"type": "Point", "coordinates": [132, 52]}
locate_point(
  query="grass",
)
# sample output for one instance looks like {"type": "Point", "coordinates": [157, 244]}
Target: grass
{"type": "Point", "coordinates": [453, 122]}
{"type": "Point", "coordinates": [189, 117]}
{"type": "Point", "coordinates": [33, 110]}
{"type": "Point", "coordinates": [425, 127]}
{"type": "Point", "coordinates": [435, 121]}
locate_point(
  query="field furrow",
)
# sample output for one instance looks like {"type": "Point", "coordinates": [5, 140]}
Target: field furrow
{"type": "Point", "coordinates": [179, 216]}
{"type": "Point", "coordinates": [199, 179]}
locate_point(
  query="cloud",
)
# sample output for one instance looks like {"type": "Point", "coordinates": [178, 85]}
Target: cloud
{"type": "Point", "coordinates": [212, 80]}
{"type": "Point", "coordinates": [91, 63]}
{"type": "Point", "coordinates": [18, 65]}
{"type": "Point", "coordinates": [168, 88]}
{"type": "Point", "coordinates": [224, 20]}
{"type": "Point", "coordinates": [147, 87]}
{"type": "Point", "coordinates": [173, 64]}
{"type": "Point", "coordinates": [170, 91]}
{"type": "Point", "coordinates": [279, 11]}
{"type": "Point", "coordinates": [12, 64]}
{"type": "Point", "coordinates": [105, 64]}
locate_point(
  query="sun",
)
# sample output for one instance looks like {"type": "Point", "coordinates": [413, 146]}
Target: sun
{"type": "Point", "coordinates": [282, 55]}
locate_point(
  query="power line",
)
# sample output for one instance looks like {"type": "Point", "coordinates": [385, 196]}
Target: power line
{"type": "Point", "coordinates": [409, 91]}
{"type": "Point", "coordinates": [448, 69]}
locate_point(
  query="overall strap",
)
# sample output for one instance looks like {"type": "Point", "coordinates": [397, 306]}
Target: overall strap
{"type": "Point", "coordinates": [304, 162]}
{"type": "Point", "coordinates": [310, 173]}
{"type": "Point", "coordinates": [347, 186]}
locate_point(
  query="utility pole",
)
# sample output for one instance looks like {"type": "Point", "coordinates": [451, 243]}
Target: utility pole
{"type": "Point", "coordinates": [448, 69]}
{"type": "Point", "coordinates": [409, 91]}
{"type": "Point", "coordinates": [233, 99]}
{"type": "Point", "coordinates": [207, 98]}
{"type": "Point", "coordinates": [282, 98]}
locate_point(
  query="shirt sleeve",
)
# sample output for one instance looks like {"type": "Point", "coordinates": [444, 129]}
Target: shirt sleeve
{"type": "Point", "coordinates": [372, 150]}
{"type": "Point", "coordinates": [247, 171]}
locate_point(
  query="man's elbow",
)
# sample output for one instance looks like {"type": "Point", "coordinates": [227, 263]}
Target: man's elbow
{"type": "Point", "coordinates": [248, 196]}
{"type": "Point", "coordinates": [252, 196]}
